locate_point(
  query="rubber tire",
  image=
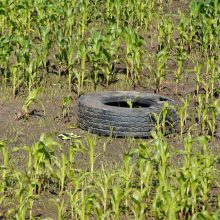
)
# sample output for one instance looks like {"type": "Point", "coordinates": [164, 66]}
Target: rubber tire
{"type": "Point", "coordinates": [97, 117]}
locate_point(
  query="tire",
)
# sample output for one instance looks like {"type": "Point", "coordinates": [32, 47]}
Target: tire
{"type": "Point", "coordinates": [109, 113]}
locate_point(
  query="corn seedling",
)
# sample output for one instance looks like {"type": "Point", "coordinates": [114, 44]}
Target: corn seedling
{"type": "Point", "coordinates": [133, 53]}
{"type": "Point", "coordinates": [65, 107]}
{"type": "Point", "coordinates": [162, 58]}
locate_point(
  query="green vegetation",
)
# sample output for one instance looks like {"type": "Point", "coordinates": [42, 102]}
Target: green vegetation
{"type": "Point", "coordinates": [85, 42]}
{"type": "Point", "coordinates": [147, 185]}
{"type": "Point", "coordinates": [93, 45]}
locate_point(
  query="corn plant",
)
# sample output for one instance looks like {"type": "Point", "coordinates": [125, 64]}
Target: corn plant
{"type": "Point", "coordinates": [25, 197]}
{"type": "Point", "coordinates": [60, 208]}
{"type": "Point", "coordinates": [66, 56]}
{"type": "Point", "coordinates": [205, 16]}
{"type": "Point", "coordinates": [116, 12]}
{"type": "Point", "coordinates": [75, 194]}
{"type": "Point", "coordinates": [116, 199]}
{"type": "Point", "coordinates": [162, 57]}
{"type": "Point", "coordinates": [183, 31]}
{"type": "Point", "coordinates": [84, 9]}
{"type": "Point", "coordinates": [127, 176]}
{"type": "Point", "coordinates": [31, 99]}
{"type": "Point", "coordinates": [3, 18]}
{"type": "Point", "coordinates": [104, 186]}
{"type": "Point", "coordinates": [198, 72]}
{"type": "Point", "coordinates": [139, 205]}
{"type": "Point", "coordinates": [183, 113]}
{"type": "Point", "coordinates": [209, 116]}
{"type": "Point", "coordinates": [45, 32]}
{"type": "Point", "coordinates": [6, 50]}
{"type": "Point", "coordinates": [6, 157]}
{"type": "Point", "coordinates": [85, 205]}
{"type": "Point", "coordinates": [191, 182]}
{"type": "Point", "coordinates": [70, 14]}
{"type": "Point", "coordinates": [161, 158]}
{"type": "Point", "coordinates": [17, 78]}
{"type": "Point", "coordinates": [65, 107]}
{"type": "Point", "coordinates": [134, 44]}
{"type": "Point", "coordinates": [112, 51]}
{"type": "Point", "coordinates": [165, 33]}
{"type": "Point", "coordinates": [80, 74]}
{"type": "Point", "coordinates": [180, 59]}
{"type": "Point", "coordinates": [91, 142]}
{"type": "Point", "coordinates": [140, 9]}
{"type": "Point", "coordinates": [32, 73]}
{"type": "Point", "coordinates": [99, 57]}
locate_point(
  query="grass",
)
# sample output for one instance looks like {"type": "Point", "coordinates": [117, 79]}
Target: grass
{"type": "Point", "coordinates": [74, 47]}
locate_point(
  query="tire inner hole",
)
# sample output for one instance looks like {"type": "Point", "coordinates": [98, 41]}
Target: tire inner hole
{"type": "Point", "coordinates": [129, 104]}
{"type": "Point", "coordinates": [162, 99]}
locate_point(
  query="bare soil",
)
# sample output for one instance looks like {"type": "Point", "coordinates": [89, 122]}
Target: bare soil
{"type": "Point", "coordinates": [27, 131]}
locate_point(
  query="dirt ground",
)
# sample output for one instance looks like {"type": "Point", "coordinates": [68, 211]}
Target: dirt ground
{"type": "Point", "coordinates": [27, 131]}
